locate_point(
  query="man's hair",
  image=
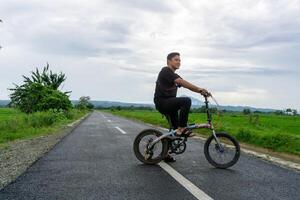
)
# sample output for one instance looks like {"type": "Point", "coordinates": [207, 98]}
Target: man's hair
{"type": "Point", "coordinates": [172, 55]}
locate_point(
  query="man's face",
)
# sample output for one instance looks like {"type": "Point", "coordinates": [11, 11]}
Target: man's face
{"type": "Point", "coordinates": [175, 62]}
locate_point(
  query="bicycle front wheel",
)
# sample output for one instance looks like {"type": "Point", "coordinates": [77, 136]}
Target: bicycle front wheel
{"type": "Point", "coordinates": [222, 155]}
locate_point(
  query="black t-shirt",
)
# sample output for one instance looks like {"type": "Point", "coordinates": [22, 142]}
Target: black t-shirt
{"type": "Point", "coordinates": [165, 85]}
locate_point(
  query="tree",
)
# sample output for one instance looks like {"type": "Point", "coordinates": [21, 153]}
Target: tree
{"type": "Point", "coordinates": [46, 78]}
{"type": "Point", "coordinates": [54, 99]}
{"type": "Point", "coordinates": [84, 103]}
{"type": "Point", "coordinates": [40, 92]}
{"type": "Point", "coordinates": [295, 112]}
{"type": "Point", "coordinates": [246, 111]}
{"type": "Point", "coordinates": [278, 112]}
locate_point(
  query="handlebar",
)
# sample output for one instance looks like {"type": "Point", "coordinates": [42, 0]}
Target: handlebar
{"type": "Point", "coordinates": [210, 95]}
{"type": "Point", "coordinates": [206, 95]}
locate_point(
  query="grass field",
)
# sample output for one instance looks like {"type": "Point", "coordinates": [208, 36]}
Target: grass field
{"type": "Point", "coordinates": [277, 132]}
{"type": "Point", "coordinates": [17, 125]}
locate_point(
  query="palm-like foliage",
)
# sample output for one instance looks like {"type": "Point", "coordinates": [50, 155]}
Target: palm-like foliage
{"type": "Point", "coordinates": [46, 78]}
{"type": "Point", "coordinates": [36, 87]}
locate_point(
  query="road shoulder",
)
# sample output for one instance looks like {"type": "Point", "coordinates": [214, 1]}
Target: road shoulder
{"type": "Point", "coordinates": [19, 155]}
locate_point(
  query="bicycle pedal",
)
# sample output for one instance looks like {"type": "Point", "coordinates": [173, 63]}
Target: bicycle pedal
{"type": "Point", "coordinates": [187, 134]}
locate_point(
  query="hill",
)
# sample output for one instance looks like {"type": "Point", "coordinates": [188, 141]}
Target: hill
{"type": "Point", "coordinates": [196, 103]}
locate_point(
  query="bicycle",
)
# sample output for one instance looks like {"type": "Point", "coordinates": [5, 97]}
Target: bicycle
{"type": "Point", "coordinates": [217, 146]}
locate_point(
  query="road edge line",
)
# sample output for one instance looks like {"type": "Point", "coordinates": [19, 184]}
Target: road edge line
{"type": "Point", "coordinates": [188, 185]}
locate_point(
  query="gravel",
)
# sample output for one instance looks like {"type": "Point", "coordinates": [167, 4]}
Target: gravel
{"type": "Point", "coordinates": [21, 154]}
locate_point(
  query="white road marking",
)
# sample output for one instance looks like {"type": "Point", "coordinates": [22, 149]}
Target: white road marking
{"type": "Point", "coordinates": [122, 131]}
{"type": "Point", "coordinates": [194, 190]}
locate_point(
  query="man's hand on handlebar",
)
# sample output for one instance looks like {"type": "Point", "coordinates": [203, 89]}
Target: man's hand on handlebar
{"type": "Point", "coordinates": [204, 92]}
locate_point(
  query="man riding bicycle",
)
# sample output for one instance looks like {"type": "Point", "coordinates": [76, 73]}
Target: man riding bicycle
{"type": "Point", "coordinates": [165, 99]}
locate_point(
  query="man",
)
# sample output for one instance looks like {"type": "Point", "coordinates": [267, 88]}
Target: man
{"type": "Point", "coordinates": [165, 99]}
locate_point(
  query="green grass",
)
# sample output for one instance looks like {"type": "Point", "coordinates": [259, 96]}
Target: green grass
{"type": "Point", "coordinates": [17, 125]}
{"type": "Point", "coordinates": [276, 132]}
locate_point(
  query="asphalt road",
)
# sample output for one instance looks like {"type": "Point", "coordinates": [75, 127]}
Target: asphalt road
{"type": "Point", "coordinates": [96, 161]}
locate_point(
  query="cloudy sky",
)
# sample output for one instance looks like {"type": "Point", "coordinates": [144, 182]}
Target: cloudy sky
{"type": "Point", "coordinates": [244, 52]}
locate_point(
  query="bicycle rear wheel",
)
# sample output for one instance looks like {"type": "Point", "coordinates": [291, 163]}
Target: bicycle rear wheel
{"type": "Point", "coordinates": [142, 142]}
{"type": "Point", "coordinates": [223, 156]}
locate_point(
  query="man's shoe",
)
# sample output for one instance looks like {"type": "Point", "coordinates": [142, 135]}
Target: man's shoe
{"type": "Point", "coordinates": [185, 133]}
{"type": "Point", "coordinates": [180, 133]}
{"type": "Point", "coordinates": [169, 158]}
{"type": "Point", "coordinates": [189, 133]}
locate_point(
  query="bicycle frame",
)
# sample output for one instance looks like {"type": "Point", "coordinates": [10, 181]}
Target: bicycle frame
{"type": "Point", "coordinates": [209, 125]}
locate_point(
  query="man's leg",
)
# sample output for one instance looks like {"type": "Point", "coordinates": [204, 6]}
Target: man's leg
{"type": "Point", "coordinates": [185, 105]}
{"type": "Point", "coordinates": [174, 119]}
{"type": "Point", "coordinates": [172, 105]}
{"type": "Point", "coordinates": [174, 122]}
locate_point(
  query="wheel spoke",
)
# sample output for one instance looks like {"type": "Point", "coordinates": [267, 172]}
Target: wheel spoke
{"type": "Point", "coordinates": [222, 156]}
{"type": "Point", "coordinates": [157, 148]}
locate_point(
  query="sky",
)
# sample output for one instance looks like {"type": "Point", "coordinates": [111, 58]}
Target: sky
{"type": "Point", "coordinates": [243, 52]}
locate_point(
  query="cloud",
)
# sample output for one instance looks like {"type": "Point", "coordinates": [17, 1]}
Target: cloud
{"type": "Point", "coordinates": [120, 46]}
{"type": "Point", "coordinates": [141, 70]}
{"type": "Point", "coordinates": [239, 70]}
{"type": "Point", "coordinates": [155, 6]}
{"type": "Point", "coordinates": [205, 70]}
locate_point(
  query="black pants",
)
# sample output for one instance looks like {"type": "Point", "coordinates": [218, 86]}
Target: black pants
{"type": "Point", "coordinates": [171, 106]}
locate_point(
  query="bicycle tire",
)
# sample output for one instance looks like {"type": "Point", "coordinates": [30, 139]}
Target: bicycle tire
{"type": "Point", "coordinates": [234, 142]}
{"type": "Point", "coordinates": [136, 148]}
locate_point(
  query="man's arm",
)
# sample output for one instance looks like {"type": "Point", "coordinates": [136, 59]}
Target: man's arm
{"type": "Point", "coordinates": [190, 86]}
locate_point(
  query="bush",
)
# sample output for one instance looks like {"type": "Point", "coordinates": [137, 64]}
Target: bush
{"type": "Point", "coordinates": [54, 99]}
{"type": "Point", "coordinates": [39, 92]}
{"type": "Point", "coordinates": [244, 135]}
{"type": "Point", "coordinates": [26, 125]}
{"type": "Point", "coordinates": [276, 141]}
{"type": "Point", "coordinates": [36, 97]}
{"type": "Point", "coordinates": [42, 119]}
{"type": "Point", "coordinates": [69, 115]}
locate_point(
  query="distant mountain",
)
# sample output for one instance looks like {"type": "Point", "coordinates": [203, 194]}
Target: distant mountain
{"type": "Point", "coordinates": [196, 103]}
{"type": "Point", "coordinates": [4, 103]}
{"type": "Point", "coordinates": [107, 104]}
{"type": "Point", "coordinates": [241, 108]}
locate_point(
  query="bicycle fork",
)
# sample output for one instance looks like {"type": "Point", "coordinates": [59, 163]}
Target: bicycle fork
{"type": "Point", "coordinates": [217, 140]}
